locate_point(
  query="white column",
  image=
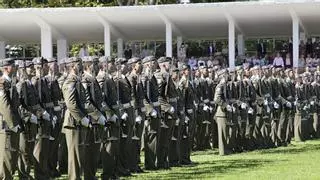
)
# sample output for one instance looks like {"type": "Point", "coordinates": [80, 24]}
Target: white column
{"type": "Point", "coordinates": [240, 43]}
{"type": "Point", "coordinates": [179, 43]}
{"type": "Point", "coordinates": [120, 47]}
{"type": "Point", "coordinates": [46, 42]}
{"type": "Point", "coordinates": [231, 43]}
{"type": "Point", "coordinates": [62, 49]}
{"type": "Point", "coordinates": [107, 41]}
{"type": "Point", "coordinates": [2, 50]}
{"type": "Point", "coordinates": [168, 40]}
{"type": "Point", "coordinates": [295, 41]}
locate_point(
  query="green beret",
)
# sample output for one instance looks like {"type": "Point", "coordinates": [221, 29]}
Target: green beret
{"type": "Point", "coordinates": [148, 59]}
{"type": "Point", "coordinates": [121, 61]}
{"type": "Point", "coordinates": [39, 60]}
{"type": "Point", "coordinates": [51, 60]}
{"type": "Point", "coordinates": [105, 59]}
{"type": "Point", "coordinates": [134, 60]}
{"type": "Point", "coordinates": [6, 62]}
{"type": "Point", "coordinates": [72, 60]}
{"type": "Point", "coordinates": [164, 59]}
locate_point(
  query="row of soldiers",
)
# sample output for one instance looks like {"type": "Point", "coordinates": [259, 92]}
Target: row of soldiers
{"type": "Point", "coordinates": [83, 113]}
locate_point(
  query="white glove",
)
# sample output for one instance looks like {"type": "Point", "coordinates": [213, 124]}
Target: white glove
{"type": "Point", "coordinates": [233, 109]}
{"type": "Point", "coordinates": [205, 108]}
{"type": "Point", "coordinates": [124, 116]}
{"type": "Point", "coordinates": [288, 104]}
{"type": "Point", "coordinates": [54, 121]}
{"type": "Point", "coordinates": [177, 122]}
{"type": "Point", "coordinates": [102, 120]}
{"type": "Point", "coordinates": [210, 109]}
{"type": "Point", "coordinates": [305, 107]}
{"type": "Point", "coordinates": [312, 103]}
{"type": "Point", "coordinates": [15, 129]}
{"type": "Point", "coordinates": [229, 108]}
{"type": "Point", "coordinates": [57, 108]}
{"type": "Point", "coordinates": [138, 119]}
{"type": "Point", "coordinates": [113, 118]}
{"type": "Point", "coordinates": [243, 105]}
{"type": "Point", "coordinates": [85, 122]}
{"type": "Point", "coordinates": [33, 119]}
{"type": "Point", "coordinates": [250, 111]}
{"type": "Point", "coordinates": [186, 119]}
{"type": "Point", "coordinates": [268, 109]}
{"type": "Point", "coordinates": [171, 110]}
{"type": "Point", "coordinates": [276, 105]}
{"type": "Point", "coordinates": [46, 116]}
{"type": "Point", "coordinates": [153, 113]}
{"type": "Point", "coordinates": [265, 102]}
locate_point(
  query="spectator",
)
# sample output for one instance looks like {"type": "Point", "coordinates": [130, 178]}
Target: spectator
{"type": "Point", "coordinates": [83, 51]}
{"type": "Point", "coordinates": [256, 61]}
{"type": "Point", "coordinates": [302, 61]}
{"type": "Point", "coordinates": [309, 60]}
{"type": "Point", "coordinates": [288, 61]}
{"type": "Point", "coordinates": [315, 61]}
{"type": "Point", "coordinates": [192, 62]}
{"type": "Point", "coordinates": [264, 61]}
{"type": "Point", "coordinates": [278, 61]}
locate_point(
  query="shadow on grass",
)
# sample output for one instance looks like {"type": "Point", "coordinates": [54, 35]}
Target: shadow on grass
{"type": "Point", "coordinates": [210, 169]}
{"type": "Point", "coordinates": [292, 149]}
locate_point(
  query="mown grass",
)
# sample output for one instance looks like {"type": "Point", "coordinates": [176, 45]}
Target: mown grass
{"type": "Point", "coordinates": [296, 161]}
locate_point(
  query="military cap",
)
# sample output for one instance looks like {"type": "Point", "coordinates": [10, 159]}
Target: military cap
{"type": "Point", "coordinates": [6, 62]}
{"type": "Point", "coordinates": [24, 63]}
{"type": "Point", "coordinates": [39, 60]}
{"type": "Point", "coordinates": [72, 60]}
{"type": "Point", "coordinates": [175, 69]}
{"type": "Point", "coordinates": [184, 67]}
{"type": "Point", "coordinates": [216, 67]}
{"type": "Point", "coordinates": [288, 70]}
{"type": "Point", "coordinates": [121, 60]}
{"type": "Point", "coordinates": [164, 59]}
{"type": "Point", "coordinates": [51, 60]}
{"type": "Point", "coordinates": [134, 60]}
{"type": "Point", "coordinates": [148, 59]}
{"type": "Point", "coordinates": [221, 72]}
{"type": "Point", "coordinates": [231, 70]}
{"type": "Point", "coordinates": [255, 68]}
{"type": "Point", "coordinates": [105, 59]}
{"type": "Point", "coordinates": [62, 61]}
{"type": "Point", "coordinates": [306, 74]}
{"type": "Point", "coordinates": [90, 59]}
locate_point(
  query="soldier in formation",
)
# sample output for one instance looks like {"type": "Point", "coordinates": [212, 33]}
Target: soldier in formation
{"type": "Point", "coordinates": [85, 113]}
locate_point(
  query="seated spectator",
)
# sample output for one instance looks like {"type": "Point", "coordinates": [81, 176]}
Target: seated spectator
{"type": "Point", "coordinates": [256, 61]}
{"type": "Point", "coordinates": [278, 61]}
{"type": "Point", "coordinates": [249, 60]}
{"type": "Point", "coordinates": [301, 61]}
{"type": "Point", "coordinates": [201, 62]}
{"type": "Point", "coordinates": [264, 61]}
{"type": "Point", "coordinates": [288, 61]}
{"type": "Point", "coordinates": [309, 60]}
{"type": "Point", "coordinates": [192, 62]}
{"type": "Point", "coordinates": [315, 61]}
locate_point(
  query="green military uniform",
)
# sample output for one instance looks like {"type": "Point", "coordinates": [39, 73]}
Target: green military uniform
{"type": "Point", "coordinates": [220, 116]}
{"type": "Point", "coordinates": [29, 108]}
{"type": "Point", "coordinates": [75, 120]}
{"type": "Point", "coordinates": [110, 146]}
{"type": "Point", "coordinates": [10, 122]}
{"type": "Point", "coordinates": [94, 107]}
{"type": "Point", "coordinates": [152, 123]}
{"type": "Point", "coordinates": [42, 144]}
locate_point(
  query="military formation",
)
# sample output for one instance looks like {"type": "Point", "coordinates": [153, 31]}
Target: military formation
{"type": "Point", "coordinates": [92, 113]}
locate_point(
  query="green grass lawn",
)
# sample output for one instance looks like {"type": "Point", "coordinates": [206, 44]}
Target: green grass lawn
{"type": "Point", "coordinates": [297, 161]}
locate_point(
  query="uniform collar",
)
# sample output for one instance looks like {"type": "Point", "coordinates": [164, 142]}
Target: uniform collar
{"type": "Point", "coordinates": [6, 77]}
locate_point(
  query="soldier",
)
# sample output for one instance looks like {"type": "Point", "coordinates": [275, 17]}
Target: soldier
{"type": "Point", "coordinates": [28, 111]}
{"type": "Point", "coordinates": [10, 119]}
{"type": "Point", "coordinates": [138, 103]}
{"type": "Point", "coordinates": [127, 119]}
{"type": "Point", "coordinates": [76, 118]}
{"type": "Point", "coordinates": [56, 97]}
{"type": "Point", "coordinates": [187, 117]}
{"type": "Point", "coordinates": [110, 145]}
{"type": "Point", "coordinates": [166, 93]}
{"type": "Point", "coordinates": [220, 98]}
{"type": "Point", "coordinates": [94, 106]}
{"type": "Point", "coordinates": [42, 144]}
{"type": "Point", "coordinates": [316, 90]}
{"type": "Point", "coordinates": [152, 122]}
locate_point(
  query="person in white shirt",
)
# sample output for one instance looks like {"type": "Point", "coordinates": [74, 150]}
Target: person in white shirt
{"type": "Point", "coordinates": [301, 62]}
{"type": "Point", "coordinates": [83, 51]}
{"type": "Point", "coordinates": [288, 60]}
{"type": "Point", "coordinates": [256, 61]}
{"type": "Point", "coordinates": [278, 61]}
{"type": "Point", "coordinates": [309, 60]}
